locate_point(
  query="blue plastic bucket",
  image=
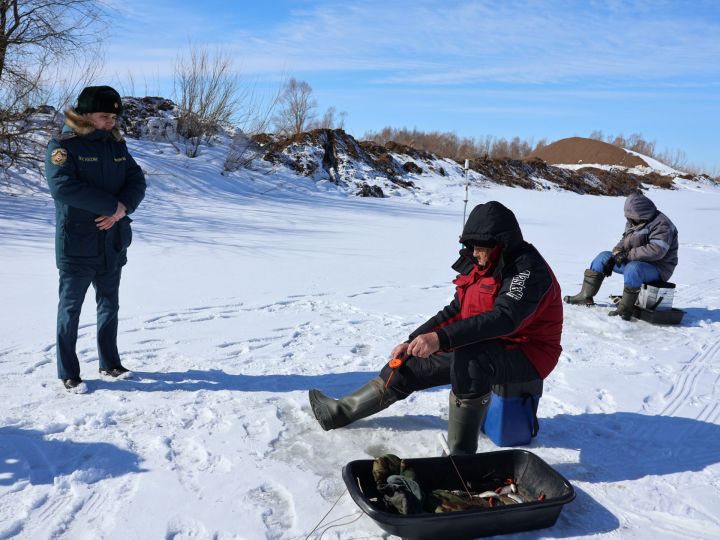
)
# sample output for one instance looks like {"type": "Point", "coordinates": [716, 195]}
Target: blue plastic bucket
{"type": "Point", "coordinates": [512, 416]}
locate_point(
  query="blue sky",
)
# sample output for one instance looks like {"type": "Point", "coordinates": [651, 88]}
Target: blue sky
{"type": "Point", "coordinates": [535, 69]}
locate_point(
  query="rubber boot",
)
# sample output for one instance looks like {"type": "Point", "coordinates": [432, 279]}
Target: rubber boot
{"type": "Point", "coordinates": [465, 418]}
{"type": "Point", "coordinates": [590, 287]}
{"type": "Point", "coordinates": [626, 306]}
{"type": "Point", "coordinates": [367, 400]}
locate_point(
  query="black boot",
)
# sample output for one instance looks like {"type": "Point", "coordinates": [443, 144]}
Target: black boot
{"type": "Point", "coordinates": [590, 287]}
{"type": "Point", "coordinates": [465, 418]}
{"type": "Point", "coordinates": [626, 306]}
{"type": "Point", "coordinates": [367, 400]}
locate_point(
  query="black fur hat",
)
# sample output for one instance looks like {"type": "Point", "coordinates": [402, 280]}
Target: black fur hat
{"type": "Point", "coordinates": [99, 99]}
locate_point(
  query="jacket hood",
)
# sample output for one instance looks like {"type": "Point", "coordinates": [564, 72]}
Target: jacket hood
{"type": "Point", "coordinates": [77, 123]}
{"type": "Point", "coordinates": [639, 208]}
{"type": "Point", "coordinates": [492, 222]}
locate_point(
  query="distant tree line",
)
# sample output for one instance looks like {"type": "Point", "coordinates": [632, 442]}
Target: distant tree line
{"type": "Point", "coordinates": [450, 145]}
{"type": "Point", "coordinates": [637, 143]}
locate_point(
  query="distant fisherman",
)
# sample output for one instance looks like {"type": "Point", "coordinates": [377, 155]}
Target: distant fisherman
{"type": "Point", "coordinates": [95, 183]}
{"type": "Point", "coordinates": [647, 252]}
{"type": "Point", "coordinates": [503, 326]}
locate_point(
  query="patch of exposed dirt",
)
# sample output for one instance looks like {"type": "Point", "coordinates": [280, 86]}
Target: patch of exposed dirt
{"type": "Point", "coordinates": [578, 150]}
{"type": "Point", "coordinates": [137, 113]}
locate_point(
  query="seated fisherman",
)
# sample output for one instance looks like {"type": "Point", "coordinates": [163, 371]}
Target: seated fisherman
{"type": "Point", "coordinates": [503, 326]}
{"type": "Point", "coordinates": [647, 252]}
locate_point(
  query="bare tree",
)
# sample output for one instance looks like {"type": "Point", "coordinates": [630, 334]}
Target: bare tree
{"type": "Point", "coordinates": [296, 108]}
{"type": "Point", "coordinates": [206, 94]}
{"type": "Point", "coordinates": [28, 28]}
{"type": "Point", "coordinates": [210, 93]}
{"type": "Point", "coordinates": [38, 38]}
{"type": "Point", "coordinates": [331, 120]}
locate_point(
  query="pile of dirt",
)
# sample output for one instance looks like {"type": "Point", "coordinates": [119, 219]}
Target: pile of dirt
{"type": "Point", "coordinates": [534, 174]}
{"type": "Point", "coordinates": [579, 150]}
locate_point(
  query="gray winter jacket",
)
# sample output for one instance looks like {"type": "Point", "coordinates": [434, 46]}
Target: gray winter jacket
{"type": "Point", "coordinates": [649, 235]}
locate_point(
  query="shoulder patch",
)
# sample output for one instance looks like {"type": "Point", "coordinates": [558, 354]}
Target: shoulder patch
{"type": "Point", "coordinates": [517, 285]}
{"type": "Point", "coordinates": [58, 156]}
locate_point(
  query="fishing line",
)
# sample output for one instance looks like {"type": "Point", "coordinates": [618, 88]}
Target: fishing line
{"type": "Point", "coordinates": [445, 446]}
{"type": "Point", "coordinates": [327, 513]}
{"type": "Point", "coordinates": [340, 524]}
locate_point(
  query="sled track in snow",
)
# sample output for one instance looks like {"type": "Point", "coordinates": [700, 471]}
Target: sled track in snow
{"type": "Point", "coordinates": [696, 381]}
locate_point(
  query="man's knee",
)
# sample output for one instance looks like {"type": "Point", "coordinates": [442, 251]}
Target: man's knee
{"type": "Point", "coordinates": [598, 263]}
{"type": "Point", "coordinates": [71, 299]}
{"type": "Point", "coordinates": [417, 374]}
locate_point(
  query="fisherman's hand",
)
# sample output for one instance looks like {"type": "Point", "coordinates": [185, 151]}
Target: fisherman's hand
{"type": "Point", "coordinates": [400, 351]}
{"type": "Point", "coordinates": [424, 345]}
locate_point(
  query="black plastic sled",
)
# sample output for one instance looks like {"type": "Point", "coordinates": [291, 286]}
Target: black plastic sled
{"type": "Point", "coordinates": [544, 488]}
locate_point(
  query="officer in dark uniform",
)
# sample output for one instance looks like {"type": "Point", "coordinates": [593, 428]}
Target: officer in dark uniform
{"type": "Point", "coordinates": [95, 183]}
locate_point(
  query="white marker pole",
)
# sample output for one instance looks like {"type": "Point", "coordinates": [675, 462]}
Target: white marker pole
{"type": "Point", "coordinates": [467, 185]}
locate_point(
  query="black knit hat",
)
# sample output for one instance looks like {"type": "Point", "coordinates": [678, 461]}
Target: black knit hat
{"type": "Point", "coordinates": [99, 99]}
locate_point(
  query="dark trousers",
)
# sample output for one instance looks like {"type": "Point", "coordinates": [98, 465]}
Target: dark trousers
{"type": "Point", "coordinates": [471, 370]}
{"type": "Point", "coordinates": [73, 287]}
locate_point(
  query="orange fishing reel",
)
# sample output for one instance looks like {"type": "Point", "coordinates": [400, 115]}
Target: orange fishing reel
{"type": "Point", "coordinates": [396, 362]}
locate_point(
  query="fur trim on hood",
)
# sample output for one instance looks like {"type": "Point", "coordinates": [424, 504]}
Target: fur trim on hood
{"type": "Point", "coordinates": [80, 125]}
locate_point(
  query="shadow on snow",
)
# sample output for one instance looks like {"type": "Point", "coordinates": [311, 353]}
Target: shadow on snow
{"type": "Point", "coordinates": [333, 384]}
{"type": "Point", "coordinates": [26, 454]}
{"type": "Point", "coordinates": [694, 316]}
{"type": "Point", "coordinates": [627, 446]}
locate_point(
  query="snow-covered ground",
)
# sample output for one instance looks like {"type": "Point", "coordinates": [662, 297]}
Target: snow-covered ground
{"type": "Point", "coordinates": [244, 291]}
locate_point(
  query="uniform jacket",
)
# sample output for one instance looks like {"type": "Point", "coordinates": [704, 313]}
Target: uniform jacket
{"type": "Point", "coordinates": [88, 172]}
{"type": "Point", "coordinates": [518, 302]}
{"type": "Point", "coordinates": [653, 239]}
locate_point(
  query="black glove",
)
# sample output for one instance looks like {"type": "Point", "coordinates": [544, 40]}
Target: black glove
{"type": "Point", "coordinates": [608, 266]}
{"type": "Point", "coordinates": [621, 257]}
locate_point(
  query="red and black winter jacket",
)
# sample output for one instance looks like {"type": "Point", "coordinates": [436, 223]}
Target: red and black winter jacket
{"type": "Point", "coordinates": [516, 300]}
